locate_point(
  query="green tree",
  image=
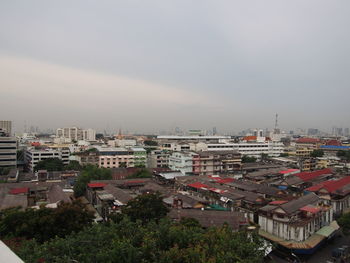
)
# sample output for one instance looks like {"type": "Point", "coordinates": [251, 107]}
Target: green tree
{"type": "Point", "coordinates": [89, 173]}
{"type": "Point", "coordinates": [248, 159]}
{"type": "Point", "coordinates": [141, 173]}
{"type": "Point", "coordinates": [50, 164]}
{"type": "Point", "coordinates": [73, 165]}
{"type": "Point", "coordinates": [345, 155]}
{"type": "Point", "coordinates": [284, 155]}
{"type": "Point", "coordinates": [44, 223]}
{"type": "Point", "coordinates": [165, 241]}
{"type": "Point", "coordinates": [344, 222]}
{"type": "Point", "coordinates": [145, 207]}
{"type": "Point", "coordinates": [150, 143]}
{"type": "Point", "coordinates": [317, 153]}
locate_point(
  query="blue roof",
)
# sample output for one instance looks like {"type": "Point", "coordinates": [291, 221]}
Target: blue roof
{"type": "Point", "coordinates": [335, 147]}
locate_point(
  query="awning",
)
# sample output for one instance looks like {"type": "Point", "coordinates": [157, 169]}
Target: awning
{"type": "Point", "coordinates": [326, 231]}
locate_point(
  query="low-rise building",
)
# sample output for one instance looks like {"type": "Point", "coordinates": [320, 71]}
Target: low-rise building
{"type": "Point", "coordinates": [300, 225]}
{"type": "Point", "coordinates": [35, 155]}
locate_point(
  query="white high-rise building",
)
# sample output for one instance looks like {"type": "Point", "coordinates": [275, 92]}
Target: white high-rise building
{"type": "Point", "coordinates": [76, 134]}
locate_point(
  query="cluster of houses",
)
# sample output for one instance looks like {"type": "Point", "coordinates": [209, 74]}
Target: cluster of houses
{"type": "Point", "coordinates": [296, 210]}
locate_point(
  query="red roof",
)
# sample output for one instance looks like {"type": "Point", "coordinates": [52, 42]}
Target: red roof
{"type": "Point", "coordinates": [307, 176]}
{"type": "Point", "coordinates": [96, 185]}
{"type": "Point", "coordinates": [308, 140]}
{"type": "Point", "coordinates": [135, 182]}
{"type": "Point", "coordinates": [278, 202]}
{"type": "Point", "coordinates": [333, 143]}
{"type": "Point", "coordinates": [198, 185]}
{"type": "Point", "coordinates": [250, 138]}
{"type": "Point", "coordinates": [330, 186]}
{"type": "Point", "coordinates": [225, 180]}
{"type": "Point", "coordinates": [16, 191]}
{"type": "Point", "coordinates": [310, 209]}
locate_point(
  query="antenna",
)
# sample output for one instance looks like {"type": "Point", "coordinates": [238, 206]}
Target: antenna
{"type": "Point", "coordinates": [276, 122]}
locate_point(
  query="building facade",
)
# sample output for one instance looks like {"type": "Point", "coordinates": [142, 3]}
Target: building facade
{"type": "Point", "coordinates": [8, 151]}
{"type": "Point", "coordinates": [33, 156]}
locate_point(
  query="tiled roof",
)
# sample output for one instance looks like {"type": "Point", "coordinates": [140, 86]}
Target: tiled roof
{"type": "Point", "coordinates": [307, 140]}
{"type": "Point", "coordinates": [197, 185]}
{"type": "Point", "coordinates": [310, 209]}
{"type": "Point", "coordinates": [331, 186]}
{"type": "Point", "coordinates": [307, 176]}
{"type": "Point", "coordinates": [296, 204]}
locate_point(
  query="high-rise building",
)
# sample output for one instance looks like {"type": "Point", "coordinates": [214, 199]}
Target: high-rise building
{"type": "Point", "coordinates": [8, 150]}
{"type": "Point", "coordinates": [6, 126]}
{"type": "Point", "coordinates": [76, 134]}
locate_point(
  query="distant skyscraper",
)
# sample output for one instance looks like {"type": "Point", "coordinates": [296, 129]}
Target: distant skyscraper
{"type": "Point", "coordinates": [312, 131]}
{"type": "Point", "coordinates": [214, 131]}
{"type": "Point", "coordinates": [6, 126]}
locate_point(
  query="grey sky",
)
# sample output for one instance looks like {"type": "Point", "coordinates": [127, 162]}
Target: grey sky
{"type": "Point", "coordinates": [151, 65]}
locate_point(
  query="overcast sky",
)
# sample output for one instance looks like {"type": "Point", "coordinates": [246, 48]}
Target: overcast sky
{"type": "Point", "coordinates": [155, 65]}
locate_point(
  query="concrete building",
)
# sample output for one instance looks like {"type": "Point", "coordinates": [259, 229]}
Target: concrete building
{"type": "Point", "coordinates": [112, 157]}
{"type": "Point", "coordinates": [140, 157]}
{"type": "Point", "coordinates": [255, 149]}
{"type": "Point", "coordinates": [6, 126]}
{"type": "Point", "coordinates": [181, 161]}
{"type": "Point", "coordinates": [158, 159]}
{"type": "Point", "coordinates": [8, 151]}
{"type": "Point", "coordinates": [300, 225]}
{"type": "Point", "coordinates": [216, 162]}
{"type": "Point", "coordinates": [33, 156]}
{"type": "Point", "coordinates": [76, 134]}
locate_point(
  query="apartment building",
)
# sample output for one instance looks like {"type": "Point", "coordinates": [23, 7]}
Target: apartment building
{"type": "Point", "coordinates": [216, 162]}
{"type": "Point", "coordinates": [8, 151]}
{"type": "Point", "coordinates": [76, 134]}
{"type": "Point", "coordinates": [158, 159]}
{"type": "Point", "coordinates": [255, 149]}
{"type": "Point", "coordinates": [182, 161]}
{"type": "Point", "coordinates": [112, 157]}
{"type": "Point", "coordinates": [35, 155]}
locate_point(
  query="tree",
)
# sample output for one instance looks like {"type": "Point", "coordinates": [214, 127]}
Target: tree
{"type": "Point", "coordinates": [73, 165]}
{"type": "Point", "coordinates": [284, 155]}
{"type": "Point", "coordinates": [317, 153]}
{"type": "Point", "coordinates": [44, 223]}
{"type": "Point", "coordinates": [89, 173]}
{"type": "Point", "coordinates": [145, 207]}
{"type": "Point", "coordinates": [50, 164]}
{"type": "Point", "coordinates": [150, 143]}
{"type": "Point", "coordinates": [264, 156]}
{"type": "Point", "coordinates": [344, 222]}
{"type": "Point", "coordinates": [162, 242]}
{"type": "Point", "coordinates": [345, 155]}
{"type": "Point", "coordinates": [248, 159]}
{"type": "Point", "coordinates": [142, 173]}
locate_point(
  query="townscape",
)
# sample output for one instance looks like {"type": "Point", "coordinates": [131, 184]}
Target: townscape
{"type": "Point", "coordinates": [290, 189]}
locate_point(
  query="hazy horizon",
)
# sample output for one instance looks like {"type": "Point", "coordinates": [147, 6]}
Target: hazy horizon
{"type": "Point", "coordinates": [156, 65]}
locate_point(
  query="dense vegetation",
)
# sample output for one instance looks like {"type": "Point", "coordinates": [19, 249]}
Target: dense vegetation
{"type": "Point", "coordinates": [142, 173]}
{"type": "Point", "coordinates": [166, 241]}
{"type": "Point", "coordinates": [142, 234]}
{"type": "Point", "coordinates": [317, 153]}
{"type": "Point", "coordinates": [344, 222]}
{"type": "Point", "coordinates": [45, 223]}
{"type": "Point", "coordinates": [345, 155]}
{"type": "Point", "coordinates": [248, 159]}
{"type": "Point", "coordinates": [89, 173]}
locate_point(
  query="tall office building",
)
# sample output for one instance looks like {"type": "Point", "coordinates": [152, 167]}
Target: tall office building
{"type": "Point", "coordinates": [8, 150]}
{"type": "Point", "coordinates": [6, 126]}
